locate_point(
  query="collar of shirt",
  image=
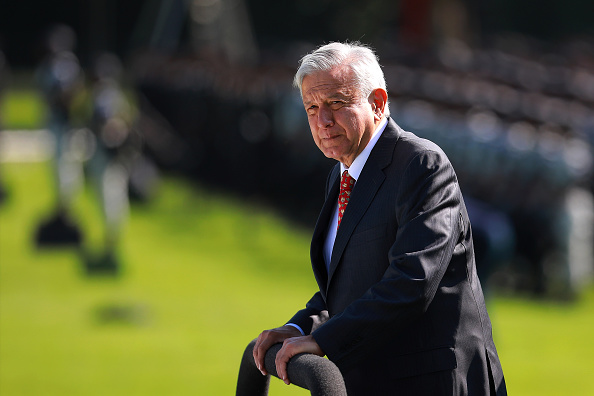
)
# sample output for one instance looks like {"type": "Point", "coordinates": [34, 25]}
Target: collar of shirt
{"type": "Point", "coordinates": [359, 162]}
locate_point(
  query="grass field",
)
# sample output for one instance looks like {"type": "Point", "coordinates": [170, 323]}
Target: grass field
{"type": "Point", "coordinates": [22, 109]}
{"type": "Point", "coordinates": [202, 275]}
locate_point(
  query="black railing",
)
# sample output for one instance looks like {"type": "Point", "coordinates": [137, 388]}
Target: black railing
{"type": "Point", "coordinates": [318, 375]}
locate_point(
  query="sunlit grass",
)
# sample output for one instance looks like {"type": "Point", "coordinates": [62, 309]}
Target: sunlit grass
{"type": "Point", "coordinates": [546, 347]}
{"type": "Point", "coordinates": [202, 274]}
{"type": "Point", "coordinates": [22, 109]}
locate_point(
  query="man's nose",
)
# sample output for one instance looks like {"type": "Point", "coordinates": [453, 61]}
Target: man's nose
{"type": "Point", "coordinates": [325, 117]}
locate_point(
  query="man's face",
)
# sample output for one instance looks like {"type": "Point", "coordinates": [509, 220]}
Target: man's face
{"type": "Point", "coordinates": [340, 118]}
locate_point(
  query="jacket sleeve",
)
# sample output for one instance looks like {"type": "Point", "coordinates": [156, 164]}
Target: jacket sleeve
{"type": "Point", "coordinates": [427, 210]}
{"type": "Point", "coordinates": [312, 316]}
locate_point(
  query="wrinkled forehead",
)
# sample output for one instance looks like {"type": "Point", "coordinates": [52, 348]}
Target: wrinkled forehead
{"type": "Point", "coordinates": [323, 84]}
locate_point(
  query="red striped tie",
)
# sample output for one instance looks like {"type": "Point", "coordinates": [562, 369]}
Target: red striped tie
{"type": "Point", "coordinates": [346, 186]}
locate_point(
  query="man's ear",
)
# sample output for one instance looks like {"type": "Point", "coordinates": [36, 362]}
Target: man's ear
{"type": "Point", "coordinates": [378, 99]}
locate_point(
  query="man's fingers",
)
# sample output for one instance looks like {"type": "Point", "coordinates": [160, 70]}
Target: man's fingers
{"type": "Point", "coordinates": [260, 349]}
{"type": "Point", "coordinates": [282, 358]}
{"type": "Point", "coordinates": [256, 352]}
{"type": "Point", "coordinates": [268, 338]}
{"type": "Point", "coordinates": [291, 347]}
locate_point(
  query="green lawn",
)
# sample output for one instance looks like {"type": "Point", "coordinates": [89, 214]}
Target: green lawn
{"type": "Point", "coordinates": [22, 109]}
{"type": "Point", "coordinates": [202, 275]}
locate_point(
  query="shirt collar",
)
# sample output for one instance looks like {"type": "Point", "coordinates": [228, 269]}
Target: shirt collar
{"type": "Point", "coordinates": [357, 166]}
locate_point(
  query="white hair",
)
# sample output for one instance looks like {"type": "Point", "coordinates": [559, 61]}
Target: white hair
{"type": "Point", "coordinates": [358, 57]}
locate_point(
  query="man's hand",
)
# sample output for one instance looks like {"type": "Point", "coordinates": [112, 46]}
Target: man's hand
{"type": "Point", "coordinates": [267, 339]}
{"type": "Point", "coordinates": [292, 347]}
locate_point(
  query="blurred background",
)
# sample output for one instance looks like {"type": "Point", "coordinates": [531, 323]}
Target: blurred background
{"type": "Point", "coordinates": [145, 214]}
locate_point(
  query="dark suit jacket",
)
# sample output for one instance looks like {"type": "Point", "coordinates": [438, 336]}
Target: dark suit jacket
{"type": "Point", "coordinates": [401, 310]}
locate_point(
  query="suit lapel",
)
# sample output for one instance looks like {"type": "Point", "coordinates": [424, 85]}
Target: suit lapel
{"type": "Point", "coordinates": [369, 182]}
{"type": "Point", "coordinates": [321, 228]}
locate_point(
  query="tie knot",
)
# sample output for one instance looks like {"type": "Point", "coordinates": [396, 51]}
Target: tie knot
{"type": "Point", "coordinates": [346, 182]}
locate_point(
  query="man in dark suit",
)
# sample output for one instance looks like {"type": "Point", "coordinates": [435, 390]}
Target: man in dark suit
{"type": "Point", "coordinates": [400, 309]}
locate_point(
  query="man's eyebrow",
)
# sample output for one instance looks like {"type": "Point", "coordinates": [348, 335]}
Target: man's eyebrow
{"type": "Point", "coordinates": [339, 95]}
